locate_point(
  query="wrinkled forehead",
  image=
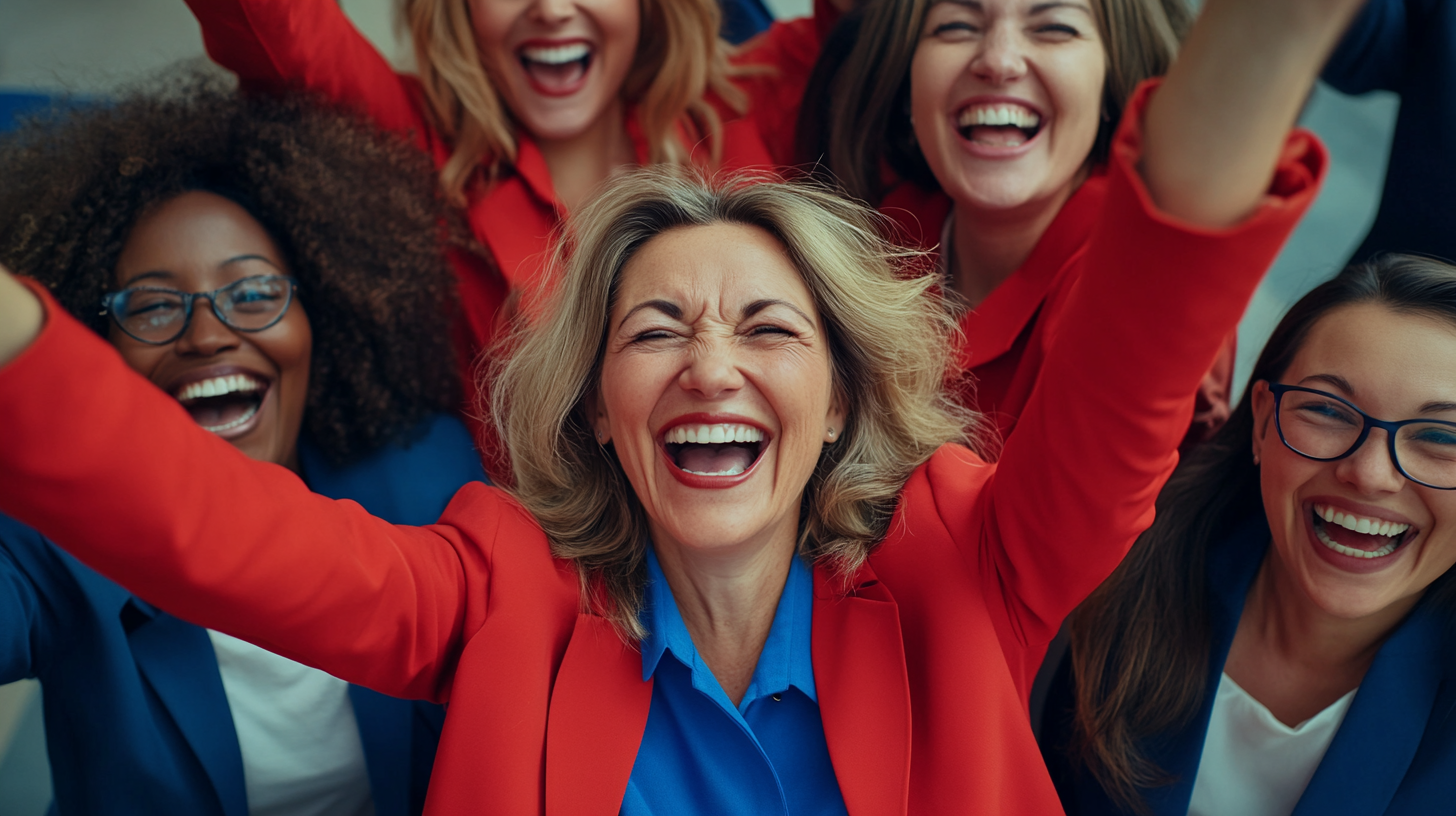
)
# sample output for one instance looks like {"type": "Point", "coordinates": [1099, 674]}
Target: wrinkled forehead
{"type": "Point", "coordinates": [719, 270]}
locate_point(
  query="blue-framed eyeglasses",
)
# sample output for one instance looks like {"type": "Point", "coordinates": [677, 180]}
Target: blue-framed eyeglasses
{"type": "Point", "coordinates": [158, 316]}
{"type": "Point", "coordinates": [1322, 426]}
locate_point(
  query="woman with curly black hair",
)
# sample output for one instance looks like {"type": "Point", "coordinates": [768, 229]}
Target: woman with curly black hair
{"type": "Point", "coordinates": [278, 269]}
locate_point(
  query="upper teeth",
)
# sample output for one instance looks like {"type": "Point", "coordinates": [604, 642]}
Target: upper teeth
{"type": "Point", "coordinates": [556, 54]}
{"type": "Point", "coordinates": [1360, 524]}
{"type": "Point", "coordinates": [219, 386]}
{"type": "Point", "coordinates": [1015, 115]}
{"type": "Point", "coordinates": [713, 434]}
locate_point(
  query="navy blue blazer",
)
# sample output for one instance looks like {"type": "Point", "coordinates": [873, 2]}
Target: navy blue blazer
{"type": "Point", "coordinates": [1409, 47]}
{"type": "Point", "coordinates": [137, 721]}
{"type": "Point", "coordinates": [1395, 752]}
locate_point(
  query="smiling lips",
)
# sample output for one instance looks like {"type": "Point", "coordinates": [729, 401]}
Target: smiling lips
{"type": "Point", "coordinates": [223, 403]}
{"type": "Point", "coordinates": [556, 69]}
{"type": "Point", "coordinates": [998, 124]}
{"type": "Point", "coordinates": [721, 449]}
{"type": "Point", "coordinates": [1358, 536]}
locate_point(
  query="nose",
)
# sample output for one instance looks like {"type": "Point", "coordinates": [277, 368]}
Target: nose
{"type": "Point", "coordinates": [206, 335]}
{"type": "Point", "coordinates": [553, 12]}
{"type": "Point", "coordinates": [1002, 55]}
{"type": "Point", "coordinates": [713, 371]}
{"type": "Point", "coordinates": [1370, 469]}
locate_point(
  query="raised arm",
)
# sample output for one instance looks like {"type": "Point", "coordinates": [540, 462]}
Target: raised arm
{"type": "Point", "coordinates": [111, 469]}
{"type": "Point", "coordinates": [278, 45]}
{"type": "Point", "coordinates": [1205, 184]}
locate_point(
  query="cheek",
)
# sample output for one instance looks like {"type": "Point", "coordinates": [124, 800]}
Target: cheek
{"type": "Point", "coordinates": [930, 81]}
{"type": "Point", "coordinates": [1077, 87]}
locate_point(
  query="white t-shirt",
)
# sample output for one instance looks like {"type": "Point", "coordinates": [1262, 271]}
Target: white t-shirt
{"type": "Point", "coordinates": [302, 755]}
{"type": "Point", "coordinates": [1253, 764]}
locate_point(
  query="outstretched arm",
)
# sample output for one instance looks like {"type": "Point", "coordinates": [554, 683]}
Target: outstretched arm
{"type": "Point", "coordinates": [1205, 184]}
{"type": "Point", "coordinates": [1215, 131]}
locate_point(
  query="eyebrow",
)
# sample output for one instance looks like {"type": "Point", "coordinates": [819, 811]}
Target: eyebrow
{"type": "Point", "coordinates": [667, 307]}
{"type": "Point", "coordinates": [759, 305]}
{"type": "Point", "coordinates": [165, 275]}
{"type": "Point", "coordinates": [1333, 379]}
{"type": "Point", "coordinates": [1039, 8]}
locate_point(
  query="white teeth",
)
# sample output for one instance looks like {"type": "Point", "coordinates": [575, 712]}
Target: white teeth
{"type": "Point", "coordinates": [228, 426]}
{"type": "Point", "coordinates": [712, 435]}
{"type": "Point", "coordinates": [998, 115]}
{"type": "Point", "coordinates": [1351, 551]}
{"type": "Point", "coordinates": [556, 54]}
{"type": "Point", "coordinates": [219, 386]}
{"type": "Point", "coordinates": [1360, 524]}
{"type": "Point", "coordinates": [733, 471]}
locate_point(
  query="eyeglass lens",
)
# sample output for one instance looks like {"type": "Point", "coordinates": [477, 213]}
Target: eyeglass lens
{"type": "Point", "coordinates": [160, 315]}
{"type": "Point", "coordinates": [1321, 427]}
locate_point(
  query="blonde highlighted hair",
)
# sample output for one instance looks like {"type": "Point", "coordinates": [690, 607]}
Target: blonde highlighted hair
{"type": "Point", "coordinates": [890, 339]}
{"type": "Point", "coordinates": [680, 60]}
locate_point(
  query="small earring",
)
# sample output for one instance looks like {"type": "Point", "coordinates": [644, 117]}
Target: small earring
{"type": "Point", "coordinates": [1256, 458]}
{"type": "Point", "coordinates": [831, 433]}
{"type": "Point", "coordinates": [599, 436]}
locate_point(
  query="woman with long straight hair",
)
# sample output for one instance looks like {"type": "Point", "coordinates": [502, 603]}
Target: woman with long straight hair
{"type": "Point", "coordinates": [1279, 641]}
{"type": "Point", "coordinates": [746, 564]}
{"type": "Point", "coordinates": [982, 131]}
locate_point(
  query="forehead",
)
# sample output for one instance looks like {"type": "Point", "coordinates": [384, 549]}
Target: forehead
{"type": "Point", "coordinates": [715, 268]}
{"type": "Point", "coordinates": [191, 237]}
{"type": "Point", "coordinates": [1393, 356]}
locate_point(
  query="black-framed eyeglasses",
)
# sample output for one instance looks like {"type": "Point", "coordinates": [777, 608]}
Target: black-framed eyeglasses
{"type": "Point", "coordinates": [1322, 426]}
{"type": "Point", "coordinates": [158, 316]}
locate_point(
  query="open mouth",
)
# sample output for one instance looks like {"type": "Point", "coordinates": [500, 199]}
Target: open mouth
{"type": "Point", "coordinates": [1359, 536]}
{"type": "Point", "coordinates": [221, 404]}
{"type": "Point", "coordinates": [714, 450]}
{"type": "Point", "coordinates": [998, 125]}
{"type": "Point", "coordinates": [556, 68]}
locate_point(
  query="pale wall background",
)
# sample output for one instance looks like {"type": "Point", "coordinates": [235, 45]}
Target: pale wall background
{"type": "Point", "coordinates": [90, 46]}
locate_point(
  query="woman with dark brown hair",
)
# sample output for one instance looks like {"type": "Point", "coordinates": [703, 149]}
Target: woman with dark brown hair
{"type": "Point", "coordinates": [1280, 640]}
{"type": "Point", "coordinates": [275, 273]}
{"type": "Point", "coordinates": [982, 130]}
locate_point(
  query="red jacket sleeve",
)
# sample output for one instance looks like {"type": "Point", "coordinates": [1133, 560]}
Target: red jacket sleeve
{"type": "Point", "coordinates": [777, 64]}
{"type": "Point", "coordinates": [113, 470]}
{"type": "Point", "coordinates": [275, 45]}
{"type": "Point", "coordinates": [1075, 483]}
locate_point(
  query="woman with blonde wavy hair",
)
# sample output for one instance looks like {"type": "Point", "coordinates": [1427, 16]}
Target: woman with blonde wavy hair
{"type": "Point", "coordinates": [747, 564]}
{"type": "Point", "coordinates": [528, 105]}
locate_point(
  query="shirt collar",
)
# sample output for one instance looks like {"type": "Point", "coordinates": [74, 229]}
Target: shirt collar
{"type": "Point", "coordinates": [786, 659]}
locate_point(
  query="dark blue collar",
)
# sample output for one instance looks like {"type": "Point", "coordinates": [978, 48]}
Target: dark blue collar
{"type": "Point", "coordinates": [786, 659]}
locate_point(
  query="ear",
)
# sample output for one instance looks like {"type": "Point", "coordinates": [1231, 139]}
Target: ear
{"type": "Point", "coordinates": [1263, 405]}
{"type": "Point", "coordinates": [596, 411]}
{"type": "Point", "coordinates": [835, 419]}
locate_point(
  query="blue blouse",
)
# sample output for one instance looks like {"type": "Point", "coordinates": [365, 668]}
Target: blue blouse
{"type": "Point", "coordinates": [702, 754]}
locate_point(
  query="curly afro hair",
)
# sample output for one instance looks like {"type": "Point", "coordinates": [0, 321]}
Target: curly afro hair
{"type": "Point", "coordinates": [355, 212]}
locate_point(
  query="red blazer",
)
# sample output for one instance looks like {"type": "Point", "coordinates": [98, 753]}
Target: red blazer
{"type": "Point", "coordinates": [922, 658]}
{"type": "Point", "coordinates": [1008, 335]}
{"type": "Point", "coordinates": [310, 44]}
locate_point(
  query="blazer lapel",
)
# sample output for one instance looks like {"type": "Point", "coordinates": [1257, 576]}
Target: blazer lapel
{"type": "Point", "coordinates": [1384, 726]}
{"type": "Point", "coordinates": [598, 713]}
{"type": "Point", "coordinates": [177, 660]}
{"type": "Point", "coordinates": [1232, 566]}
{"type": "Point", "coordinates": [864, 694]}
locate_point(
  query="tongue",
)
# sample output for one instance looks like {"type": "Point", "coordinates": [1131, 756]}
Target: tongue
{"type": "Point", "coordinates": [1354, 540]}
{"type": "Point", "coordinates": [219, 411]}
{"type": "Point", "coordinates": [998, 135]}
{"type": "Point", "coordinates": [714, 458]}
{"type": "Point", "coordinates": [556, 77]}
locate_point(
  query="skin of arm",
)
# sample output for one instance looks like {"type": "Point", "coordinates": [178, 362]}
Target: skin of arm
{"type": "Point", "coordinates": [21, 317]}
{"type": "Point", "coordinates": [1214, 132]}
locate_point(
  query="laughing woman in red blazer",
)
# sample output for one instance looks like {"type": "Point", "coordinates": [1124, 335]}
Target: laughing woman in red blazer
{"type": "Point", "coordinates": [744, 568]}
{"type": "Point", "coordinates": [526, 106]}
{"type": "Point", "coordinates": [995, 119]}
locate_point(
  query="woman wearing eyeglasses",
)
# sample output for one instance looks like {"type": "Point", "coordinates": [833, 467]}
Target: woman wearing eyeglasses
{"type": "Point", "coordinates": [202, 235]}
{"type": "Point", "coordinates": [1279, 641]}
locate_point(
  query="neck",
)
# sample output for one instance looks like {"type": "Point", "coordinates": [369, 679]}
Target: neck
{"type": "Point", "coordinates": [987, 245]}
{"type": "Point", "coordinates": [580, 163]}
{"type": "Point", "coordinates": [728, 601]}
{"type": "Point", "coordinates": [1296, 658]}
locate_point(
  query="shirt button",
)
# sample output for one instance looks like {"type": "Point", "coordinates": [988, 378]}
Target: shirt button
{"type": "Point", "coordinates": [778, 698]}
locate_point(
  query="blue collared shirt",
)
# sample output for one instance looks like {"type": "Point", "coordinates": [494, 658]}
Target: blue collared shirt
{"type": "Point", "coordinates": [702, 754]}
